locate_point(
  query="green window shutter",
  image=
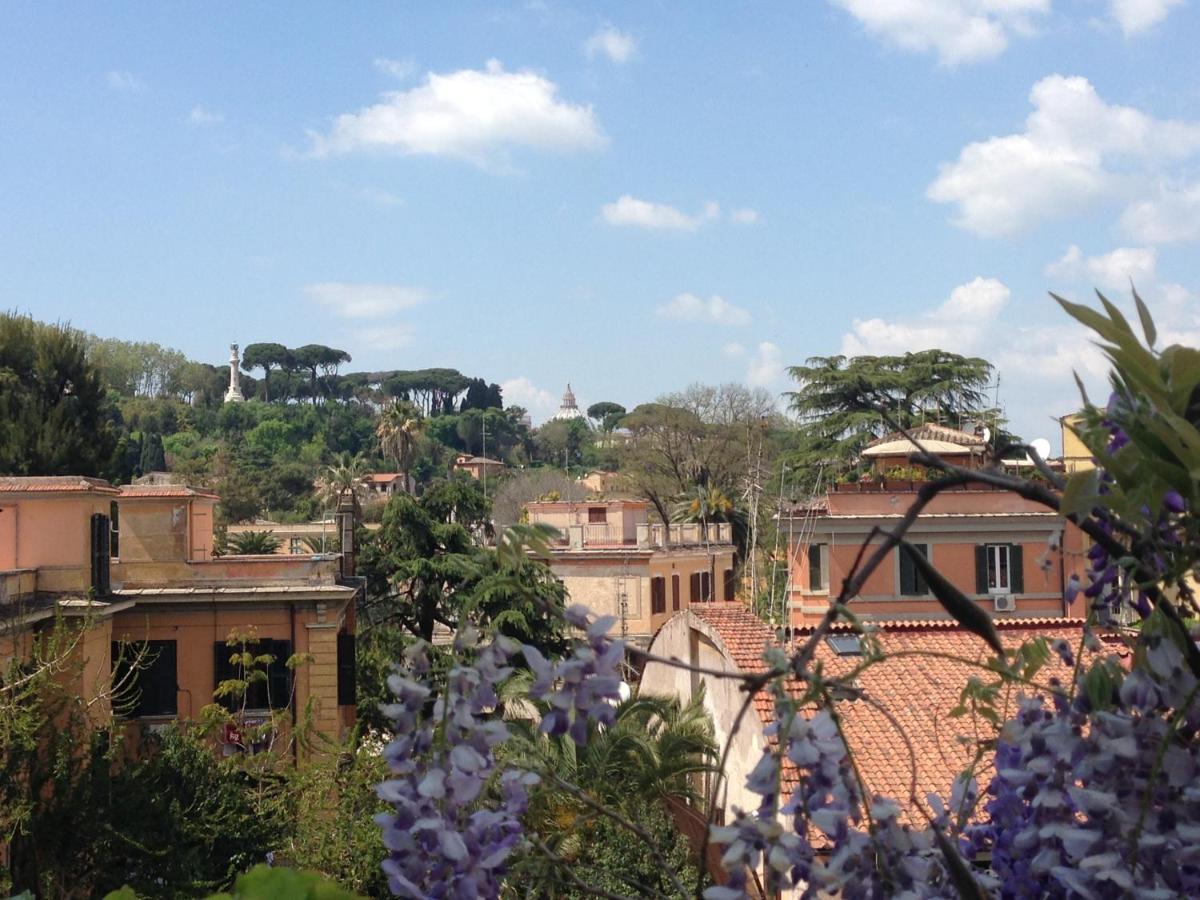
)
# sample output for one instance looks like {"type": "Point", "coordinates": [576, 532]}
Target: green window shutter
{"type": "Point", "coordinates": [1016, 568]}
{"type": "Point", "coordinates": [981, 579]}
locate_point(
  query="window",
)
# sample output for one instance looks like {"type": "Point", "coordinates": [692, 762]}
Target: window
{"type": "Point", "coordinates": [295, 546]}
{"type": "Point", "coordinates": [346, 694]}
{"type": "Point", "coordinates": [114, 531]}
{"type": "Point", "coordinates": [144, 678]}
{"type": "Point", "coordinates": [101, 554]}
{"type": "Point", "coordinates": [912, 582]}
{"type": "Point", "coordinates": [845, 644]}
{"type": "Point", "coordinates": [818, 579]}
{"type": "Point", "coordinates": [694, 587]}
{"type": "Point", "coordinates": [675, 592]}
{"type": "Point", "coordinates": [730, 586]}
{"type": "Point", "coordinates": [597, 515]}
{"type": "Point", "coordinates": [706, 587]}
{"type": "Point", "coordinates": [272, 692]}
{"type": "Point", "coordinates": [658, 595]}
{"type": "Point", "coordinates": [999, 569]}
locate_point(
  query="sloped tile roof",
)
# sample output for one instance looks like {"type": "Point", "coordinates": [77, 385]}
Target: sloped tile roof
{"type": "Point", "coordinates": [898, 728]}
{"type": "Point", "coordinates": [54, 484]}
{"type": "Point", "coordinates": [165, 491]}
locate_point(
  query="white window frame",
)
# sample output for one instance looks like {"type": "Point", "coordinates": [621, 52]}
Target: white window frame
{"type": "Point", "coordinates": [999, 568]}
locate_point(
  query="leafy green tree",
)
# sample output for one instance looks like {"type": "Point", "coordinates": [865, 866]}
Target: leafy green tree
{"type": "Point", "coordinates": [399, 427]}
{"type": "Point", "coordinates": [562, 443]}
{"type": "Point", "coordinates": [53, 416]}
{"type": "Point", "coordinates": [153, 458]}
{"type": "Point", "coordinates": [840, 400]}
{"type": "Point", "coordinates": [253, 543]}
{"type": "Point", "coordinates": [314, 357]}
{"type": "Point", "coordinates": [266, 357]}
{"type": "Point", "coordinates": [606, 414]}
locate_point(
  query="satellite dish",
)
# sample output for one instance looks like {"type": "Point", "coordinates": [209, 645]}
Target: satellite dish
{"type": "Point", "coordinates": [987, 434]}
{"type": "Point", "coordinates": [1041, 447]}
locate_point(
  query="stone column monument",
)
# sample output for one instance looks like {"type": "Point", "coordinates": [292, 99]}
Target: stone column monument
{"type": "Point", "coordinates": [234, 392]}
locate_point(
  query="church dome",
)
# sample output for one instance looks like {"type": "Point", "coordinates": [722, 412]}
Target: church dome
{"type": "Point", "coordinates": [568, 409]}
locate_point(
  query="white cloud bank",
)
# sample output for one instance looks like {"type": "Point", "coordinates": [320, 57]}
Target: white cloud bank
{"type": "Point", "coordinates": [538, 402]}
{"type": "Point", "coordinates": [365, 301]}
{"type": "Point", "coordinates": [201, 116]}
{"type": "Point", "coordinates": [472, 115]}
{"type": "Point", "coordinates": [1135, 16]}
{"type": "Point", "coordinates": [125, 82]}
{"type": "Point", "coordinates": [632, 212]}
{"type": "Point", "coordinates": [1110, 271]}
{"type": "Point", "coordinates": [1075, 150]}
{"type": "Point", "coordinates": [617, 46]}
{"type": "Point", "coordinates": [766, 366]}
{"type": "Point", "coordinates": [958, 31]}
{"type": "Point", "coordinates": [715, 310]}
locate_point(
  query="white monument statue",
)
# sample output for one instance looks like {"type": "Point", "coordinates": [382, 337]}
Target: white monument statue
{"type": "Point", "coordinates": [234, 392]}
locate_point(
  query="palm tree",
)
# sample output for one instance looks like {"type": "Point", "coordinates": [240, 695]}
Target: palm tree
{"type": "Point", "coordinates": [345, 475]}
{"type": "Point", "coordinates": [655, 751]}
{"type": "Point", "coordinates": [710, 504]}
{"type": "Point", "coordinates": [398, 429]}
{"type": "Point", "coordinates": [253, 543]}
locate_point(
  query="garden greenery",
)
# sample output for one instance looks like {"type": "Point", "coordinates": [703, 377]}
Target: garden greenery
{"type": "Point", "coordinates": [1089, 790]}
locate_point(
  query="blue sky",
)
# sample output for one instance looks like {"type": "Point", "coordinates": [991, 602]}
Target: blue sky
{"type": "Point", "coordinates": [631, 197]}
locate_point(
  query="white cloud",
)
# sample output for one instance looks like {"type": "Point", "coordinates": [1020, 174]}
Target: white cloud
{"type": "Point", "coordinates": [470, 114]}
{"type": "Point", "coordinates": [1060, 162]}
{"type": "Point", "coordinates": [1110, 271]}
{"type": "Point", "coordinates": [616, 45]}
{"type": "Point", "coordinates": [124, 81]}
{"type": "Point", "coordinates": [385, 337]}
{"type": "Point", "coordinates": [400, 69]}
{"type": "Point", "coordinates": [733, 350]}
{"type": "Point", "coordinates": [201, 116]}
{"type": "Point", "coordinates": [538, 402]}
{"type": "Point", "coordinates": [631, 211]}
{"type": "Point", "coordinates": [959, 31]}
{"type": "Point", "coordinates": [381, 197]}
{"type": "Point", "coordinates": [745, 216]}
{"type": "Point", "coordinates": [716, 310]}
{"type": "Point", "coordinates": [1135, 16]}
{"type": "Point", "coordinates": [365, 301]}
{"type": "Point", "coordinates": [959, 325]}
{"type": "Point", "coordinates": [766, 366]}
{"type": "Point", "coordinates": [1172, 214]}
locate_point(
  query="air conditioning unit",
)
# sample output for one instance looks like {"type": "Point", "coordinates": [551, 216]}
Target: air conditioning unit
{"type": "Point", "coordinates": [1004, 602]}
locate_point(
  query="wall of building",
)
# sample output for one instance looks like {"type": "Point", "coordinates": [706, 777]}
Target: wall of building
{"type": "Point", "coordinates": [53, 535]}
{"type": "Point", "coordinates": [153, 530]}
{"type": "Point", "coordinates": [196, 629]}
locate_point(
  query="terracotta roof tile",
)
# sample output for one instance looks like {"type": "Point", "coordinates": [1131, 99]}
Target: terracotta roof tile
{"type": "Point", "coordinates": [54, 484]}
{"type": "Point", "coordinates": [899, 729]}
{"type": "Point", "coordinates": [169, 491]}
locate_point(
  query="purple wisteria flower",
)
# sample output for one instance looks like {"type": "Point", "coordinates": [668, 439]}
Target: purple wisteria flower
{"type": "Point", "coordinates": [441, 843]}
{"type": "Point", "coordinates": [585, 686]}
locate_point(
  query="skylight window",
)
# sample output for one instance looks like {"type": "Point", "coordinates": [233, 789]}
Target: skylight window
{"type": "Point", "coordinates": [846, 644]}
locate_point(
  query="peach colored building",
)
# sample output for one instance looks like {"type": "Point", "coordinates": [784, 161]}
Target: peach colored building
{"type": "Point", "coordinates": [1011, 555]}
{"type": "Point", "coordinates": [612, 559]}
{"type": "Point", "coordinates": [383, 484]}
{"type": "Point", "coordinates": [134, 565]}
{"type": "Point", "coordinates": [478, 466]}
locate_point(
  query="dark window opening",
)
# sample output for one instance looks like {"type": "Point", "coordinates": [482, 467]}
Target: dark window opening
{"type": "Point", "coordinates": [694, 587]}
{"type": "Point", "coordinates": [346, 670]}
{"type": "Point", "coordinates": [730, 586]}
{"type": "Point", "coordinates": [675, 592]}
{"type": "Point", "coordinates": [597, 515]}
{"type": "Point", "coordinates": [114, 531]}
{"type": "Point", "coordinates": [912, 582]}
{"type": "Point", "coordinates": [144, 678]}
{"type": "Point", "coordinates": [816, 573]}
{"type": "Point", "coordinates": [845, 644]}
{"type": "Point", "coordinates": [658, 595]}
{"type": "Point", "coordinates": [101, 554]}
{"type": "Point", "coordinates": [706, 587]}
{"type": "Point", "coordinates": [272, 692]}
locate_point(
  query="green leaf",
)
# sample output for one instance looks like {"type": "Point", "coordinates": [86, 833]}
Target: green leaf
{"type": "Point", "coordinates": [1147, 321]}
{"type": "Point", "coordinates": [1081, 493]}
{"type": "Point", "coordinates": [965, 611]}
{"type": "Point", "coordinates": [121, 893]}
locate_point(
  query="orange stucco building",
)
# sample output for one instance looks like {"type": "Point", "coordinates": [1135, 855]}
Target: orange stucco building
{"type": "Point", "coordinates": [612, 559]}
{"type": "Point", "coordinates": [133, 566]}
{"type": "Point", "coordinates": [1009, 554]}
